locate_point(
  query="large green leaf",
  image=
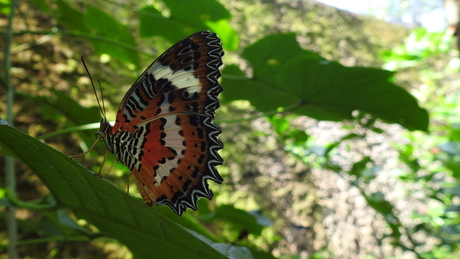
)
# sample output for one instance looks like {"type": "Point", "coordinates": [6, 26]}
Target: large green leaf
{"type": "Point", "coordinates": [146, 232]}
{"type": "Point", "coordinates": [42, 5]}
{"type": "Point", "coordinates": [104, 25]}
{"type": "Point", "coordinates": [240, 219]}
{"type": "Point", "coordinates": [69, 17]}
{"type": "Point", "coordinates": [60, 105]}
{"type": "Point", "coordinates": [107, 34]}
{"type": "Point", "coordinates": [187, 17]}
{"type": "Point", "coordinates": [284, 75]}
{"type": "Point", "coordinates": [331, 91]}
{"type": "Point", "coordinates": [266, 57]}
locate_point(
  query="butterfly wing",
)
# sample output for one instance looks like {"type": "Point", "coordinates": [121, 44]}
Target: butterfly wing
{"type": "Point", "coordinates": [164, 131]}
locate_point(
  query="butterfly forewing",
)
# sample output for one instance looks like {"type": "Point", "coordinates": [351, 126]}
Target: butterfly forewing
{"type": "Point", "coordinates": [164, 131]}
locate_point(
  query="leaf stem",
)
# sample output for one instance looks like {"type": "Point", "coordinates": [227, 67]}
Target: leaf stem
{"type": "Point", "coordinates": [87, 36]}
{"type": "Point", "coordinates": [13, 199]}
{"type": "Point", "coordinates": [54, 239]}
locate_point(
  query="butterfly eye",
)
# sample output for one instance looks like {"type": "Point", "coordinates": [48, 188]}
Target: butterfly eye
{"type": "Point", "coordinates": [99, 133]}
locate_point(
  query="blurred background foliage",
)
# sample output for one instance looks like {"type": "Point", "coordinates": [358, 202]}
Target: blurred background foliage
{"type": "Point", "coordinates": [326, 154]}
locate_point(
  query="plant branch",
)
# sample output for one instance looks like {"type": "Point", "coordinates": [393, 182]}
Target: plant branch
{"type": "Point", "coordinates": [10, 170]}
{"type": "Point", "coordinates": [87, 36]}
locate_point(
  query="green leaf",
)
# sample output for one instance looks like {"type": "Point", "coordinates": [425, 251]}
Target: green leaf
{"type": "Point", "coordinates": [57, 223]}
{"type": "Point", "coordinates": [5, 7]}
{"type": "Point", "coordinates": [281, 124]}
{"type": "Point", "coordinates": [263, 96]}
{"type": "Point", "coordinates": [318, 88]}
{"type": "Point", "coordinates": [147, 233]}
{"type": "Point", "coordinates": [187, 17]}
{"type": "Point", "coordinates": [299, 137]}
{"type": "Point", "coordinates": [236, 252]}
{"type": "Point", "coordinates": [41, 4]}
{"type": "Point", "coordinates": [104, 25]}
{"type": "Point", "coordinates": [378, 202]}
{"type": "Point", "coordinates": [195, 14]}
{"type": "Point", "coordinates": [270, 54]}
{"type": "Point", "coordinates": [107, 34]}
{"type": "Point", "coordinates": [359, 167]}
{"type": "Point", "coordinates": [54, 107]}
{"type": "Point", "coordinates": [332, 92]}
{"type": "Point", "coordinates": [266, 59]}
{"type": "Point", "coordinates": [225, 32]}
{"type": "Point", "coordinates": [69, 17]}
{"type": "Point", "coordinates": [240, 219]}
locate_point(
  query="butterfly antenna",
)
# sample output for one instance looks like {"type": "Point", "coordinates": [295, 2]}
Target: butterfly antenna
{"type": "Point", "coordinates": [101, 107]}
{"type": "Point", "coordinates": [102, 100]}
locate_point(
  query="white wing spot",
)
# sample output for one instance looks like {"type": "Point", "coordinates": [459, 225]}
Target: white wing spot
{"type": "Point", "coordinates": [173, 140]}
{"type": "Point", "coordinates": [179, 79]}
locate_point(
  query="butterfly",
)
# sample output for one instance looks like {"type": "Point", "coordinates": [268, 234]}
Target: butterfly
{"type": "Point", "coordinates": [164, 130]}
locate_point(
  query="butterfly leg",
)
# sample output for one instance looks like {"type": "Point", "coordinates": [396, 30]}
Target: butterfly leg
{"type": "Point", "coordinates": [89, 150]}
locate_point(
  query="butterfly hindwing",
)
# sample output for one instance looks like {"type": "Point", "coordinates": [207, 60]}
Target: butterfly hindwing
{"type": "Point", "coordinates": [164, 131]}
{"type": "Point", "coordinates": [183, 158]}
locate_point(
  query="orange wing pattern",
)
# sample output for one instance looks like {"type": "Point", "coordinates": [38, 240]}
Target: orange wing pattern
{"type": "Point", "coordinates": [164, 131]}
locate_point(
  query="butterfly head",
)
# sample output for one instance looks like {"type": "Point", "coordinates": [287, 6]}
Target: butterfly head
{"type": "Point", "coordinates": [104, 132]}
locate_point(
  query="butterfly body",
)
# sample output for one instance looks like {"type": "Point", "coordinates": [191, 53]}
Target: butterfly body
{"type": "Point", "coordinates": [164, 131]}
